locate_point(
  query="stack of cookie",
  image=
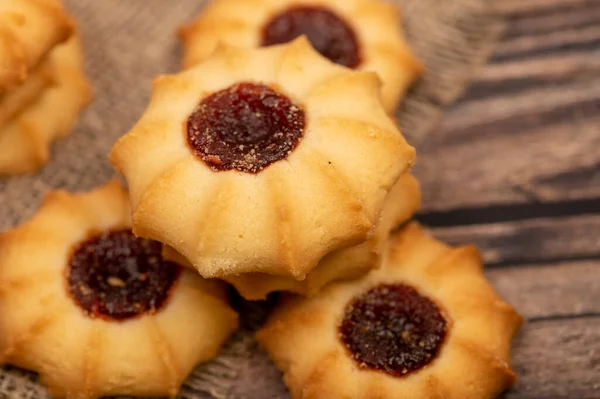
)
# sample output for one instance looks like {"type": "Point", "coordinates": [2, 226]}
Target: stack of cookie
{"type": "Point", "coordinates": [271, 163]}
{"type": "Point", "coordinates": [42, 83]}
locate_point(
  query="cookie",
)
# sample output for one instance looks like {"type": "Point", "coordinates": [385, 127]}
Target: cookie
{"type": "Point", "coordinates": [343, 264]}
{"type": "Point", "coordinates": [360, 34]}
{"type": "Point", "coordinates": [98, 312]}
{"type": "Point", "coordinates": [16, 100]}
{"type": "Point", "coordinates": [425, 325]}
{"type": "Point", "coordinates": [262, 161]}
{"type": "Point", "coordinates": [25, 139]}
{"type": "Point", "coordinates": [29, 30]}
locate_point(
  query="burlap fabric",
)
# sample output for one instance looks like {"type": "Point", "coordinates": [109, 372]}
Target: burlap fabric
{"type": "Point", "coordinates": [128, 42]}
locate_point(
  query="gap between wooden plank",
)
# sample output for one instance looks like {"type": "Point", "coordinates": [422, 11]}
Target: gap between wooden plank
{"type": "Point", "coordinates": [509, 212]}
{"type": "Point", "coordinates": [564, 317]}
{"type": "Point", "coordinates": [512, 264]}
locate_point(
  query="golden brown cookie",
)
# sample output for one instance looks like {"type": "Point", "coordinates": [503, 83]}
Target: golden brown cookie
{"type": "Point", "coordinates": [343, 264]}
{"type": "Point", "coordinates": [25, 139]}
{"type": "Point", "coordinates": [29, 30]}
{"type": "Point", "coordinates": [360, 34]}
{"type": "Point", "coordinates": [97, 311]}
{"type": "Point", "coordinates": [425, 325]}
{"type": "Point", "coordinates": [262, 161]}
{"type": "Point", "coordinates": [19, 98]}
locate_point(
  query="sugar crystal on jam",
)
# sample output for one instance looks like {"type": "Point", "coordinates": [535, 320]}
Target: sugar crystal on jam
{"type": "Point", "coordinates": [246, 127]}
{"type": "Point", "coordinates": [394, 329]}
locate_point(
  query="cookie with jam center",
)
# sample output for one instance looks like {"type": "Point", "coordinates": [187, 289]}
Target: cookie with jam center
{"type": "Point", "coordinates": [97, 311]}
{"type": "Point", "coordinates": [425, 325]}
{"type": "Point", "coordinates": [344, 264]}
{"type": "Point", "coordinates": [262, 161]}
{"type": "Point", "coordinates": [358, 34]}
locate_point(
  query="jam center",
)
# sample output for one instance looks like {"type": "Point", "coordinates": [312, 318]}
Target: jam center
{"type": "Point", "coordinates": [116, 275]}
{"type": "Point", "coordinates": [246, 127]}
{"type": "Point", "coordinates": [393, 328]}
{"type": "Point", "coordinates": [329, 34]}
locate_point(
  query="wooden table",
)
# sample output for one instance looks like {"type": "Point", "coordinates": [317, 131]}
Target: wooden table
{"type": "Point", "coordinates": [514, 167]}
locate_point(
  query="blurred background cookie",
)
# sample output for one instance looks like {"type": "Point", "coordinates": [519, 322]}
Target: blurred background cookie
{"type": "Point", "coordinates": [29, 30]}
{"type": "Point", "coordinates": [358, 34]}
{"type": "Point", "coordinates": [25, 137]}
{"type": "Point", "coordinates": [43, 86]}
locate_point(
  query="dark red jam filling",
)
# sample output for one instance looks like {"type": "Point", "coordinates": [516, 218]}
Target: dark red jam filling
{"type": "Point", "coordinates": [329, 34]}
{"type": "Point", "coordinates": [246, 127]}
{"type": "Point", "coordinates": [116, 275]}
{"type": "Point", "coordinates": [394, 329]}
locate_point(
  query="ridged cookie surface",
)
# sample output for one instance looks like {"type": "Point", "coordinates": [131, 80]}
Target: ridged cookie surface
{"type": "Point", "coordinates": [262, 161]}
{"type": "Point", "coordinates": [425, 325]}
{"type": "Point", "coordinates": [346, 263]}
{"type": "Point", "coordinates": [95, 310]}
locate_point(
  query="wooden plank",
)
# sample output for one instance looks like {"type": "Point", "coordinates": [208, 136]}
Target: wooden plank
{"type": "Point", "coordinates": [557, 19]}
{"type": "Point", "coordinates": [558, 359]}
{"type": "Point", "coordinates": [534, 44]}
{"type": "Point", "coordinates": [537, 147]}
{"type": "Point", "coordinates": [535, 240]}
{"type": "Point", "coordinates": [554, 69]}
{"type": "Point", "coordinates": [516, 7]}
{"type": "Point", "coordinates": [566, 289]}
{"type": "Point", "coordinates": [528, 128]}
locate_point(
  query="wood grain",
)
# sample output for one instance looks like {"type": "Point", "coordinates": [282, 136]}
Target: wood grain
{"type": "Point", "coordinates": [526, 241]}
{"type": "Point", "coordinates": [528, 129]}
{"type": "Point", "coordinates": [550, 291]}
{"type": "Point", "coordinates": [558, 359]}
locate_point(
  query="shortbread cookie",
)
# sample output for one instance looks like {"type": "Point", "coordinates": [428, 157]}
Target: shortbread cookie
{"type": "Point", "coordinates": [343, 264]}
{"type": "Point", "coordinates": [360, 34]}
{"type": "Point", "coordinates": [16, 100]}
{"type": "Point", "coordinates": [29, 30]}
{"type": "Point", "coordinates": [25, 139]}
{"type": "Point", "coordinates": [98, 312]}
{"type": "Point", "coordinates": [425, 325]}
{"type": "Point", "coordinates": [262, 161]}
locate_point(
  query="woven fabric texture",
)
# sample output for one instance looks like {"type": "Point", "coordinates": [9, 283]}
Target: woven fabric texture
{"type": "Point", "coordinates": [127, 44]}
